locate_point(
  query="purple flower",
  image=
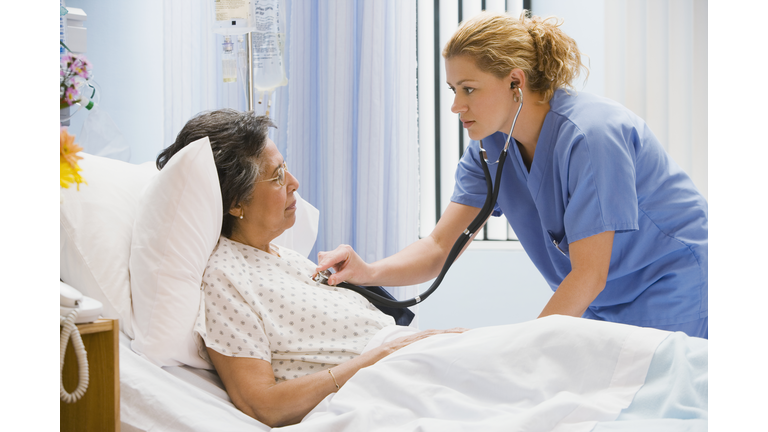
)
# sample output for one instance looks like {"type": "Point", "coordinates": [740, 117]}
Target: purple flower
{"type": "Point", "coordinates": [71, 95]}
{"type": "Point", "coordinates": [81, 67]}
{"type": "Point", "coordinates": [75, 71]}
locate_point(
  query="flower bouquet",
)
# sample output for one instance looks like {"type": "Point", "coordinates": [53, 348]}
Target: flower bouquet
{"type": "Point", "coordinates": [74, 76]}
{"type": "Point", "coordinates": [69, 169]}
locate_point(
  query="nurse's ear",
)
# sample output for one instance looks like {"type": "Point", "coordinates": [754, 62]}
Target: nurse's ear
{"type": "Point", "coordinates": [516, 79]}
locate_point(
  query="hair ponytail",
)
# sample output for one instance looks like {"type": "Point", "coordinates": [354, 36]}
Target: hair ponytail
{"type": "Point", "coordinates": [558, 56]}
{"type": "Point", "coordinates": [499, 43]}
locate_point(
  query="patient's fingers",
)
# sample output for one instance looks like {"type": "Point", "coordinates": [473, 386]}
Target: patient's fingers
{"type": "Point", "coordinates": [407, 340]}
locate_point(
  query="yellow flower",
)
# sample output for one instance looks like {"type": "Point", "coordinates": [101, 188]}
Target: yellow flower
{"type": "Point", "coordinates": [69, 170]}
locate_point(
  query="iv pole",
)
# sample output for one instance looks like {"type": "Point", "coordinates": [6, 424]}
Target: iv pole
{"type": "Point", "coordinates": [249, 75]}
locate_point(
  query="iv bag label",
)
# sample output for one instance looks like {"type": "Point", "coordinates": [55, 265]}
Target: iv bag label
{"type": "Point", "coordinates": [264, 45]}
{"type": "Point", "coordinates": [267, 45]}
{"type": "Point", "coordinates": [265, 38]}
{"type": "Point", "coordinates": [231, 9]}
{"type": "Point", "coordinates": [266, 15]}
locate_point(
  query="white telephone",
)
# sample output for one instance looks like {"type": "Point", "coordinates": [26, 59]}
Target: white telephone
{"type": "Point", "coordinates": [75, 309]}
{"type": "Point", "coordinates": [88, 309]}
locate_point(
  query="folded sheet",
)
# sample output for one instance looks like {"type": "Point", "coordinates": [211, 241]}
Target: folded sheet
{"type": "Point", "coordinates": [551, 374]}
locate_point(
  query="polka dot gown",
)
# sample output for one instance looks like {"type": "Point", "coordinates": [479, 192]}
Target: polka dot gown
{"type": "Point", "coordinates": [261, 306]}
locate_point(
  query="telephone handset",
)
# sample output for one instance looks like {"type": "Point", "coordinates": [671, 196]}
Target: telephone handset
{"type": "Point", "coordinates": [75, 308]}
{"type": "Point", "coordinates": [88, 309]}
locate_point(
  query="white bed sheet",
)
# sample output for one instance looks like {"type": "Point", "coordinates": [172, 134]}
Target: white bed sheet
{"type": "Point", "coordinates": [551, 374]}
{"type": "Point", "coordinates": [556, 373]}
{"type": "Point", "coordinates": [177, 398]}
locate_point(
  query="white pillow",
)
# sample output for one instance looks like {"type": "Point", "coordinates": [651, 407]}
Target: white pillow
{"type": "Point", "coordinates": [177, 226]}
{"type": "Point", "coordinates": [95, 232]}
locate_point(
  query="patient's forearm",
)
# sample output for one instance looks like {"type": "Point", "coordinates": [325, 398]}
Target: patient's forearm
{"type": "Point", "coordinates": [290, 401]}
{"type": "Point", "coordinates": [251, 386]}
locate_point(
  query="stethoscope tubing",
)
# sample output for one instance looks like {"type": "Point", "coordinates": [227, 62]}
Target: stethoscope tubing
{"type": "Point", "coordinates": [458, 246]}
{"type": "Point", "coordinates": [490, 199]}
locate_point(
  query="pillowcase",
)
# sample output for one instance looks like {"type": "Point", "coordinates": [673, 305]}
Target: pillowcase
{"type": "Point", "coordinates": [177, 226]}
{"type": "Point", "coordinates": [96, 223]}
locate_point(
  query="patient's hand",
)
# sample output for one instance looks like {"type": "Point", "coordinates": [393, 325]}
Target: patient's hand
{"type": "Point", "coordinates": [407, 340]}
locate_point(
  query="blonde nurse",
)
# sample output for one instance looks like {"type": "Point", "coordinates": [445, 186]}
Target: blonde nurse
{"type": "Point", "coordinates": [616, 228]}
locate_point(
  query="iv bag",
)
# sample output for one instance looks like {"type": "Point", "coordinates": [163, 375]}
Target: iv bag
{"type": "Point", "coordinates": [233, 17]}
{"type": "Point", "coordinates": [268, 45]}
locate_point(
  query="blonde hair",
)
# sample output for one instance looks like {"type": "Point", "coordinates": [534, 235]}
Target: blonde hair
{"type": "Point", "coordinates": [499, 43]}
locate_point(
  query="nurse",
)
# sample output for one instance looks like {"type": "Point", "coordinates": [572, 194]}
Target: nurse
{"type": "Point", "coordinates": [616, 228]}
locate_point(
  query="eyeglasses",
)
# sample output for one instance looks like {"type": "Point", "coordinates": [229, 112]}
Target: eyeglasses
{"type": "Point", "coordinates": [281, 170]}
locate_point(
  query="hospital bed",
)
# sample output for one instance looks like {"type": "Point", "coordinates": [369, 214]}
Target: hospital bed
{"type": "Point", "coordinates": [556, 373]}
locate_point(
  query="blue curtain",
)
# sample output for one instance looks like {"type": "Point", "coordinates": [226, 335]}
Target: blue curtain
{"type": "Point", "coordinates": [351, 121]}
{"type": "Point", "coordinates": [347, 120]}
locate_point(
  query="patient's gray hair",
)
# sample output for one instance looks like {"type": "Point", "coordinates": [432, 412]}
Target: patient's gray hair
{"type": "Point", "coordinates": [237, 140]}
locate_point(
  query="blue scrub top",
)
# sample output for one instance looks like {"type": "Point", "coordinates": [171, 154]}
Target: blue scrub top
{"type": "Point", "coordinates": [597, 167]}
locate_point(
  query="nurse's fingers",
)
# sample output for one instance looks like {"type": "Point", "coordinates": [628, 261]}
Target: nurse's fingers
{"type": "Point", "coordinates": [343, 260]}
{"type": "Point", "coordinates": [328, 259]}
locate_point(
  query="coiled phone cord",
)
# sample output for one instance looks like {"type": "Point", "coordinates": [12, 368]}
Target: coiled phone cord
{"type": "Point", "coordinates": [69, 330]}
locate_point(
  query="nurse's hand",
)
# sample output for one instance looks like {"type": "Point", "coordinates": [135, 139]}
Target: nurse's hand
{"type": "Point", "coordinates": [347, 264]}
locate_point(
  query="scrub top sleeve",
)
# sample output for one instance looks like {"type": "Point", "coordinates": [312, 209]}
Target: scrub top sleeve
{"type": "Point", "coordinates": [602, 195]}
{"type": "Point", "coordinates": [470, 188]}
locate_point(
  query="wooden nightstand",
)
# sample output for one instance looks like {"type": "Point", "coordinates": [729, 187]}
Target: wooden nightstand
{"type": "Point", "coordinates": [99, 408]}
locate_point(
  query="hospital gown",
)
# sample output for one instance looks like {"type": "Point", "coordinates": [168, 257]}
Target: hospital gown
{"type": "Point", "coordinates": [266, 307]}
{"type": "Point", "coordinates": [598, 167]}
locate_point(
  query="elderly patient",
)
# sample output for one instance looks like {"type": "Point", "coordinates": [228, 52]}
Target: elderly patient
{"type": "Point", "coordinates": [279, 341]}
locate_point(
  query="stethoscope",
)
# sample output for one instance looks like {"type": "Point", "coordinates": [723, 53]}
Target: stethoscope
{"type": "Point", "coordinates": [485, 212]}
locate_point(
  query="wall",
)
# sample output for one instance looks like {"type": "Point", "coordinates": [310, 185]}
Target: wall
{"type": "Point", "coordinates": [486, 287]}
{"type": "Point", "coordinates": [125, 48]}
{"type": "Point", "coordinates": [583, 21]}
